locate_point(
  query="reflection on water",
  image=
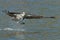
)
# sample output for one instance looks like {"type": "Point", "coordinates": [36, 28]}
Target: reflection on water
{"type": "Point", "coordinates": [40, 29]}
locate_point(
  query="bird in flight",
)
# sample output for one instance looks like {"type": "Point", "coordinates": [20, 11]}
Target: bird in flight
{"type": "Point", "coordinates": [19, 17]}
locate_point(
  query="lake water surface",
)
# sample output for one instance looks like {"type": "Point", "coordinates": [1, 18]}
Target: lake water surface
{"type": "Point", "coordinates": [33, 29]}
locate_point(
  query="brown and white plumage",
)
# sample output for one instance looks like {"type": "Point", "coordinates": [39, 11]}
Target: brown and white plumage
{"type": "Point", "coordinates": [21, 16]}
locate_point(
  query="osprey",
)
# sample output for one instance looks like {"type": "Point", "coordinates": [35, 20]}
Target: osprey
{"type": "Point", "coordinates": [19, 17]}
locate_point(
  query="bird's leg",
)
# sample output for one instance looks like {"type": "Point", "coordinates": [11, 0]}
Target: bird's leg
{"type": "Point", "coordinates": [22, 21]}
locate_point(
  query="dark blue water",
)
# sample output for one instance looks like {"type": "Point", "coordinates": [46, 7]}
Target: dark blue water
{"type": "Point", "coordinates": [47, 29]}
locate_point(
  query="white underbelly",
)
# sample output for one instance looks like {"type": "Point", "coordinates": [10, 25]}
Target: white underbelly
{"type": "Point", "coordinates": [19, 17]}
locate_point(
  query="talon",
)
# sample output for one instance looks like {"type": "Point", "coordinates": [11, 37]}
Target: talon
{"type": "Point", "coordinates": [23, 23]}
